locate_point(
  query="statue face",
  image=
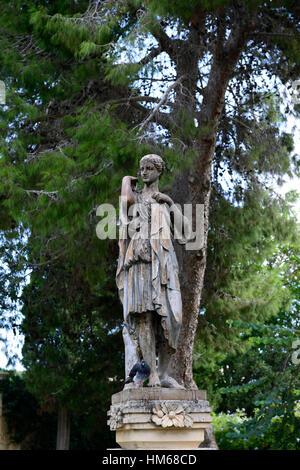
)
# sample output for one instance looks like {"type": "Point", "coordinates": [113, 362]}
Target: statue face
{"type": "Point", "coordinates": [149, 172]}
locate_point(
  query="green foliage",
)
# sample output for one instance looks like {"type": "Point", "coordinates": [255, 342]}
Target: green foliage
{"type": "Point", "coordinates": [263, 377]}
{"type": "Point", "coordinates": [186, 10]}
{"type": "Point", "coordinates": [32, 423]}
{"type": "Point", "coordinates": [72, 313]}
{"type": "Point", "coordinates": [245, 280]}
{"type": "Point", "coordinates": [226, 424]}
{"type": "Point", "coordinates": [68, 136]}
{"type": "Point", "coordinates": [275, 428]}
{"type": "Point", "coordinates": [27, 424]}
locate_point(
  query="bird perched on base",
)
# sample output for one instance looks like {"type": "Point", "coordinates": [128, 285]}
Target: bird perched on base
{"type": "Point", "coordinates": [138, 374]}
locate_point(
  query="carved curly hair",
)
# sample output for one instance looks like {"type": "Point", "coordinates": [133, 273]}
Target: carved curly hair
{"type": "Point", "coordinates": [156, 160]}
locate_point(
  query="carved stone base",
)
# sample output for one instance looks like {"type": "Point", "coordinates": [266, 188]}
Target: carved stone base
{"type": "Point", "coordinates": [159, 418]}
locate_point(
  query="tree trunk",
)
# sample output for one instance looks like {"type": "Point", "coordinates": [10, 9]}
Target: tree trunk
{"type": "Point", "coordinates": [198, 184]}
{"type": "Point", "coordinates": [63, 429]}
{"type": "Point", "coordinates": [192, 268]}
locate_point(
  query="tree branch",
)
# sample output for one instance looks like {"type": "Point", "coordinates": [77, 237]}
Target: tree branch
{"type": "Point", "coordinates": [154, 52]}
{"type": "Point", "coordinates": [131, 99]}
{"type": "Point", "coordinates": [163, 119]}
{"type": "Point", "coordinates": [166, 44]}
{"type": "Point", "coordinates": [51, 194]}
{"type": "Point", "coordinates": [161, 102]}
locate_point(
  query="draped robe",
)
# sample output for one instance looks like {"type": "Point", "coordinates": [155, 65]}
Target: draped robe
{"type": "Point", "coordinates": [147, 273]}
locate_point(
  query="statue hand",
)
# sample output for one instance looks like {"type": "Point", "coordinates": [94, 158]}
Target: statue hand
{"type": "Point", "coordinates": [132, 180]}
{"type": "Point", "coordinates": [162, 198]}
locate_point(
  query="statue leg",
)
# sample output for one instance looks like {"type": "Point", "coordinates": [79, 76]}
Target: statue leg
{"type": "Point", "coordinates": [147, 344]}
{"type": "Point", "coordinates": [132, 352]}
{"type": "Point", "coordinates": [164, 357]}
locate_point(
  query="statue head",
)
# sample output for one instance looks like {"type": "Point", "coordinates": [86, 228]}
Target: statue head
{"type": "Point", "coordinates": [156, 160]}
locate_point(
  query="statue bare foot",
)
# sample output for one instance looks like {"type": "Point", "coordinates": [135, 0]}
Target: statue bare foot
{"type": "Point", "coordinates": [130, 385]}
{"type": "Point", "coordinates": [154, 381]}
{"type": "Point", "coordinates": [169, 382]}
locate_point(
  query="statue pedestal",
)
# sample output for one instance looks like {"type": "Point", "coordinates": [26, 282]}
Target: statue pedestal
{"type": "Point", "coordinates": [159, 418]}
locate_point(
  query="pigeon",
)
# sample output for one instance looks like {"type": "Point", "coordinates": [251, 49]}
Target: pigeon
{"type": "Point", "coordinates": [138, 374]}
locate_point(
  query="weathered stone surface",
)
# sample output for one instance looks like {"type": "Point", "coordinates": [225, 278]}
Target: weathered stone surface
{"type": "Point", "coordinates": [152, 439]}
{"type": "Point", "coordinates": [147, 275]}
{"type": "Point", "coordinates": [157, 394]}
{"type": "Point", "coordinates": [159, 418]}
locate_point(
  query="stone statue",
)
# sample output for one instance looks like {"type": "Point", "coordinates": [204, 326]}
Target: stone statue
{"type": "Point", "coordinates": [147, 273]}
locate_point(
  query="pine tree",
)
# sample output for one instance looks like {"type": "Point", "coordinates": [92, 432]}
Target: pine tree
{"type": "Point", "coordinates": [78, 116]}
